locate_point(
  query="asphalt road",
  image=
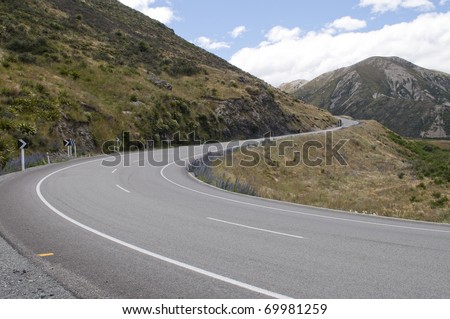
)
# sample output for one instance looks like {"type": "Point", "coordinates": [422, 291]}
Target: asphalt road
{"type": "Point", "coordinates": [152, 231]}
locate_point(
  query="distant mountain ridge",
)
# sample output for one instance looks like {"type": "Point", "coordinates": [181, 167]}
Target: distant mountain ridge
{"type": "Point", "coordinates": [293, 86]}
{"type": "Point", "coordinates": [408, 99]}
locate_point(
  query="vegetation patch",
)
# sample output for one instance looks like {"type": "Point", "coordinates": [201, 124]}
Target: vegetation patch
{"type": "Point", "coordinates": [201, 169]}
{"type": "Point", "coordinates": [386, 175]}
{"type": "Point", "coordinates": [428, 159]}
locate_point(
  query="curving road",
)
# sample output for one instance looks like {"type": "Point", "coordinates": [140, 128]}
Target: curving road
{"type": "Point", "coordinates": [152, 231]}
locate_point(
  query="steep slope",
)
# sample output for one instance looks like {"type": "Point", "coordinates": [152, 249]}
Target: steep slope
{"type": "Point", "coordinates": [89, 70]}
{"type": "Point", "coordinates": [408, 99]}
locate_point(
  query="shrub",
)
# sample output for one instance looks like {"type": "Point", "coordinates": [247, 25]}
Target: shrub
{"type": "Point", "coordinates": [180, 67]}
{"type": "Point", "coordinates": [413, 199]}
{"type": "Point", "coordinates": [40, 88]}
{"type": "Point", "coordinates": [29, 45]}
{"type": "Point", "coordinates": [421, 185]}
{"type": "Point", "coordinates": [252, 90]}
{"type": "Point", "coordinates": [143, 47]}
{"type": "Point", "coordinates": [27, 129]}
{"type": "Point", "coordinates": [8, 92]}
{"type": "Point", "coordinates": [75, 75]}
{"type": "Point", "coordinates": [437, 195]}
{"type": "Point", "coordinates": [27, 58]}
{"type": "Point", "coordinates": [429, 160]}
{"type": "Point", "coordinates": [439, 203]}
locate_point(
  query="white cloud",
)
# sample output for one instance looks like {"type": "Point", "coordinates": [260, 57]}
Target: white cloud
{"type": "Point", "coordinates": [162, 14]}
{"type": "Point", "coordinates": [238, 31]}
{"type": "Point", "coordinates": [443, 2]}
{"type": "Point", "coordinates": [279, 33]}
{"type": "Point", "coordinates": [346, 24]}
{"type": "Point", "coordinates": [381, 6]}
{"type": "Point", "coordinates": [208, 44]}
{"type": "Point", "coordinates": [424, 41]}
{"type": "Point", "coordinates": [420, 4]}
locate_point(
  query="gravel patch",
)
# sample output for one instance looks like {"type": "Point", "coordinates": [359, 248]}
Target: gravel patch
{"type": "Point", "coordinates": [21, 279]}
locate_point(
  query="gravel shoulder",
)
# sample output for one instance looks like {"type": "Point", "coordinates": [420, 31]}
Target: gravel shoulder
{"type": "Point", "coordinates": [22, 279]}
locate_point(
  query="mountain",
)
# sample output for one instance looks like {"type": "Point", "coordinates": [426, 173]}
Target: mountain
{"type": "Point", "coordinates": [91, 69]}
{"type": "Point", "coordinates": [408, 99]}
{"type": "Point", "coordinates": [293, 86]}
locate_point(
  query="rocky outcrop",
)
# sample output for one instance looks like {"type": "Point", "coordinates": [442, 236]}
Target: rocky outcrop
{"type": "Point", "coordinates": [159, 83]}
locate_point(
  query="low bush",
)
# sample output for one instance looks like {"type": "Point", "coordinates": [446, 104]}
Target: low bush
{"type": "Point", "coordinates": [201, 168]}
{"type": "Point", "coordinates": [428, 160]}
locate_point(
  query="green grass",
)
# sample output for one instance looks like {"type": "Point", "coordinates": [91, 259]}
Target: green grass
{"type": "Point", "coordinates": [428, 160]}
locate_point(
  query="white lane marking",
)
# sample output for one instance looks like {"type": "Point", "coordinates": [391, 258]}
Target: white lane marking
{"type": "Point", "coordinates": [149, 253]}
{"type": "Point", "coordinates": [295, 211]}
{"type": "Point", "coordinates": [114, 171]}
{"type": "Point", "coordinates": [125, 190]}
{"type": "Point", "coordinates": [255, 228]}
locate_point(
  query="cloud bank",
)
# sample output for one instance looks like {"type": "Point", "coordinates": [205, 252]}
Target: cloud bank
{"type": "Point", "coordinates": [289, 54]}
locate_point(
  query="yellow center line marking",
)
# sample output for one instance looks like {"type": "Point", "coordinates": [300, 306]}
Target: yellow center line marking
{"type": "Point", "coordinates": [46, 255]}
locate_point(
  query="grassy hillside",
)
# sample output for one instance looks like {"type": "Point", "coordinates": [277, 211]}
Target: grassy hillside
{"type": "Point", "coordinates": [386, 175]}
{"type": "Point", "coordinates": [89, 70]}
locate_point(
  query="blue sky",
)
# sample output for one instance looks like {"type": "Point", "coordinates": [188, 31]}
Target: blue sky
{"type": "Point", "coordinates": [284, 40]}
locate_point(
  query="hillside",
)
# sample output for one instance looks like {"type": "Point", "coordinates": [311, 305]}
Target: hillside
{"type": "Point", "coordinates": [385, 174]}
{"type": "Point", "coordinates": [90, 70]}
{"type": "Point", "coordinates": [408, 99]}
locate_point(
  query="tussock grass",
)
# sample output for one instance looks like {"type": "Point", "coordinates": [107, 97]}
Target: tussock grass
{"type": "Point", "coordinates": [201, 168]}
{"type": "Point", "coordinates": [382, 177]}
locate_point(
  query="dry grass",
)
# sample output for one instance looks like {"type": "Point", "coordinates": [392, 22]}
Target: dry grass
{"type": "Point", "coordinates": [377, 180]}
{"type": "Point", "coordinates": [445, 144]}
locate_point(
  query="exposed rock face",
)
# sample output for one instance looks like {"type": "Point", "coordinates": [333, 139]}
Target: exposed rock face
{"type": "Point", "coordinates": [272, 120]}
{"type": "Point", "coordinates": [159, 83]}
{"type": "Point", "coordinates": [293, 86]}
{"type": "Point", "coordinates": [408, 99]}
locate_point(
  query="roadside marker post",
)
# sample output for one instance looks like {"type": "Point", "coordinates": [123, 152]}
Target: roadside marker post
{"type": "Point", "coordinates": [69, 143]}
{"type": "Point", "coordinates": [22, 144]}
